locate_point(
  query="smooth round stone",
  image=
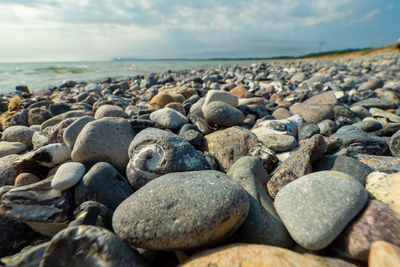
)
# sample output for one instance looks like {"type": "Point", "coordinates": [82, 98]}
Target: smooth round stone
{"type": "Point", "coordinates": [344, 164]}
{"type": "Point", "coordinates": [278, 142]}
{"type": "Point", "coordinates": [326, 127]}
{"type": "Point", "coordinates": [369, 125]}
{"type": "Point", "coordinates": [360, 112]}
{"type": "Point", "coordinates": [384, 254]}
{"type": "Point", "coordinates": [249, 255]}
{"type": "Point", "coordinates": [86, 245]}
{"type": "Point", "coordinates": [182, 211]}
{"type": "Point", "coordinates": [216, 95]}
{"type": "Point", "coordinates": [8, 148]}
{"type": "Point", "coordinates": [109, 111]}
{"type": "Point", "coordinates": [315, 208]}
{"type": "Point", "coordinates": [105, 140]}
{"type": "Point", "coordinates": [104, 184]}
{"type": "Point", "coordinates": [307, 130]}
{"type": "Point", "coordinates": [26, 179]}
{"type": "Point", "coordinates": [68, 175]}
{"type": "Point", "coordinates": [222, 114]}
{"type": "Point", "coordinates": [312, 113]}
{"type": "Point", "coordinates": [385, 187]}
{"type": "Point", "coordinates": [282, 113]}
{"type": "Point", "coordinates": [168, 118]}
{"type": "Point", "coordinates": [18, 133]}
{"type": "Point", "coordinates": [71, 133]}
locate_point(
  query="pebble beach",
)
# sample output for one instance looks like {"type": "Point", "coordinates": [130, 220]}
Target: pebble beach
{"type": "Point", "coordinates": [275, 163]}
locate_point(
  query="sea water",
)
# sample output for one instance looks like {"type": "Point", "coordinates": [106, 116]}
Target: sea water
{"type": "Point", "coordinates": [50, 74]}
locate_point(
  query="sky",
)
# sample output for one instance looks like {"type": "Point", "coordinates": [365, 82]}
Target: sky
{"type": "Point", "coordinates": [91, 30]}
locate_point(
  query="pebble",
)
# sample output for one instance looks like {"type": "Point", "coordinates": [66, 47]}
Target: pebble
{"type": "Point", "coordinates": [262, 225]}
{"type": "Point", "coordinates": [237, 255]}
{"type": "Point", "coordinates": [376, 222]}
{"type": "Point", "coordinates": [7, 171]}
{"type": "Point", "coordinates": [278, 142]}
{"type": "Point", "coordinates": [168, 118]}
{"type": "Point", "coordinates": [104, 184]}
{"type": "Point", "coordinates": [385, 187]}
{"type": "Point", "coordinates": [92, 245]}
{"type": "Point", "coordinates": [221, 114]}
{"type": "Point", "coordinates": [215, 95]}
{"type": "Point", "coordinates": [68, 175]}
{"type": "Point", "coordinates": [312, 113]}
{"type": "Point", "coordinates": [8, 148]}
{"type": "Point", "coordinates": [20, 134]}
{"type": "Point", "coordinates": [72, 131]}
{"type": "Point", "coordinates": [109, 111]}
{"type": "Point", "coordinates": [105, 140]}
{"type": "Point", "coordinates": [182, 211]}
{"type": "Point", "coordinates": [155, 152]}
{"type": "Point", "coordinates": [325, 203]}
{"type": "Point", "coordinates": [26, 179]}
{"type": "Point", "coordinates": [384, 254]}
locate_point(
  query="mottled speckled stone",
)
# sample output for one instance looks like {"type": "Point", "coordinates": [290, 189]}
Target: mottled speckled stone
{"type": "Point", "coordinates": [317, 207]}
{"type": "Point", "coordinates": [376, 222]}
{"type": "Point", "coordinates": [182, 211]}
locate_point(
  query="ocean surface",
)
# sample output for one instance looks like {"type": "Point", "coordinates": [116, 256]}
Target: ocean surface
{"type": "Point", "coordinates": [50, 74]}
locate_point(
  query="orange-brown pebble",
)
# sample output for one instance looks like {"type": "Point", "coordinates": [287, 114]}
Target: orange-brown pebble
{"type": "Point", "coordinates": [240, 92]}
{"type": "Point", "coordinates": [249, 255]}
{"type": "Point", "coordinates": [384, 254]}
{"type": "Point", "coordinates": [26, 179]}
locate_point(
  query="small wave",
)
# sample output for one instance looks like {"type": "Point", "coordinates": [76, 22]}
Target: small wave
{"type": "Point", "coordinates": [53, 69]}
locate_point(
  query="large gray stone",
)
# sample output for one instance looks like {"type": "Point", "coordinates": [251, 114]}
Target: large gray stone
{"type": "Point", "coordinates": [105, 140]}
{"type": "Point", "coordinates": [317, 207]}
{"type": "Point", "coordinates": [182, 211]}
{"type": "Point", "coordinates": [168, 118]}
{"type": "Point", "coordinates": [103, 183]}
{"type": "Point", "coordinates": [68, 175]}
{"type": "Point", "coordinates": [18, 133]}
{"type": "Point", "coordinates": [262, 225]}
{"type": "Point", "coordinates": [89, 246]}
{"type": "Point", "coordinates": [8, 148]}
{"type": "Point", "coordinates": [278, 142]}
{"type": "Point", "coordinates": [154, 152]}
{"type": "Point", "coordinates": [344, 164]}
{"type": "Point", "coordinates": [221, 114]}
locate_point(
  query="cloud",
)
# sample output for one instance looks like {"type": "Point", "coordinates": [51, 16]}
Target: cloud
{"type": "Point", "coordinates": [101, 29]}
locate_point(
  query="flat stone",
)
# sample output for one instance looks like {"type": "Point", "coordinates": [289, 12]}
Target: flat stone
{"type": "Point", "coordinates": [237, 255]}
{"type": "Point", "coordinates": [216, 95]}
{"type": "Point", "coordinates": [344, 164]}
{"type": "Point", "coordinates": [104, 184]}
{"type": "Point", "coordinates": [262, 225]}
{"type": "Point", "coordinates": [297, 165]}
{"type": "Point", "coordinates": [182, 211]}
{"type": "Point", "coordinates": [44, 209]}
{"type": "Point", "coordinates": [327, 98]}
{"type": "Point", "coordinates": [278, 142]}
{"type": "Point", "coordinates": [317, 207]}
{"type": "Point", "coordinates": [369, 125]}
{"type": "Point", "coordinates": [312, 113]}
{"type": "Point", "coordinates": [375, 103]}
{"type": "Point", "coordinates": [282, 113]}
{"type": "Point", "coordinates": [7, 172]}
{"type": "Point", "coordinates": [375, 222]}
{"type": "Point", "coordinates": [71, 132]}
{"type": "Point", "coordinates": [91, 245]}
{"type": "Point", "coordinates": [384, 254]}
{"type": "Point", "coordinates": [110, 111]}
{"type": "Point", "coordinates": [240, 92]}
{"type": "Point", "coordinates": [155, 152]}
{"type": "Point", "coordinates": [370, 143]}
{"type": "Point", "coordinates": [168, 118]}
{"type": "Point", "coordinates": [68, 175]}
{"type": "Point", "coordinates": [221, 114]}
{"type": "Point", "coordinates": [161, 100]}
{"type": "Point", "coordinates": [8, 148]}
{"type": "Point", "coordinates": [378, 163]}
{"type": "Point", "coordinates": [285, 126]}
{"type": "Point", "coordinates": [360, 112]}
{"type": "Point", "coordinates": [105, 140]}
{"type": "Point", "coordinates": [18, 133]}
{"type": "Point", "coordinates": [376, 112]}
{"type": "Point", "coordinates": [26, 179]}
{"type": "Point", "coordinates": [385, 187]}
{"type": "Point", "coordinates": [230, 144]}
